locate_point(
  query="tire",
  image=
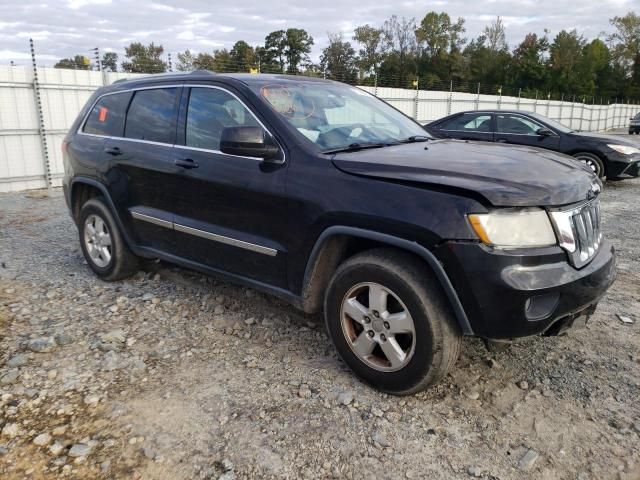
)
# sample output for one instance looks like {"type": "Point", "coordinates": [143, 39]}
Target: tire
{"type": "Point", "coordinates": [429, 352]}
{"type": "Point", "coordinates": [114, 261]}
{"type": "Point", "coordinates": [592, 161]}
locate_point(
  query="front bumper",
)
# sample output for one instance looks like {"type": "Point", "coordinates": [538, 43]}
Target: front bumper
{"type": "Point", "coordinates": [518, 293]}
{"type": "Point", "coordinates": [620, 166]}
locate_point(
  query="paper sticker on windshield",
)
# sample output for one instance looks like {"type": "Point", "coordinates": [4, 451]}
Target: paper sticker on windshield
{"type": "Point", "coordinates": [287, 102]}
{"type": "Point", "coordinates": [280, 98]}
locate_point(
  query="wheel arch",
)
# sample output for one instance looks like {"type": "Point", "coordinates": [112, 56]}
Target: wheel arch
{"type": "Point", "coordinates": [82, 189]}
{"type": "Point", "coordinates": [332, 247]}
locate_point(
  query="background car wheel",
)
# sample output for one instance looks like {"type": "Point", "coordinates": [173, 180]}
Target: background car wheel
{"type": "Point", "coordinates": [102, 244]}
{"type": "Point", "coordinates": [391, 322]}
{"type": "Point", "coordinates": [592, 161]}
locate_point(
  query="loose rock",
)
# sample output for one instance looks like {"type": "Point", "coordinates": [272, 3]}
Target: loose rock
{"type": "Point", "coordinates": [42, 345]}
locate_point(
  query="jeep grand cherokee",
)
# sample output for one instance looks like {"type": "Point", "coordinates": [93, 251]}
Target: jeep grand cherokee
{"type": "Point", "coordinates": [328, 197]}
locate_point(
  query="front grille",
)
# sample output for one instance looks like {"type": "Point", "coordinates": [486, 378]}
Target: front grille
{"type": "Point", "coordinates": [579, 231]}
{"type": "Point", "coordinates": [588, 233]}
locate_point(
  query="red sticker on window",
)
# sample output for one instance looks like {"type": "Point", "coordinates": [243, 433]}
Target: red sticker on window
{"type": "Point", "coordinates": [102, 114]}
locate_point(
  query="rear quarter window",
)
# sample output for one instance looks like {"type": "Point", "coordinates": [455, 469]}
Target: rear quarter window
{"type": "Point", "coordinates": [107, 116]}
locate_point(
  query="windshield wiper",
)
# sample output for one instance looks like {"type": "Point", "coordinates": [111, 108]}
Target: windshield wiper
{"type": "Point", "coordinates": [415, 138]}
{"type": "Point", "coordinates": [354, 147]}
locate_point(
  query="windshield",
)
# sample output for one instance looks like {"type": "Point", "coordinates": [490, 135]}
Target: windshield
{"type": "Point", "coordinates": [552, 123]}
{"type": "Point", "coordinates": [336, 116]}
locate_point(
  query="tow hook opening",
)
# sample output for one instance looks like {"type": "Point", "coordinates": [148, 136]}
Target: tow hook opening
{"type": "Point", "coordinates": [561, 326]}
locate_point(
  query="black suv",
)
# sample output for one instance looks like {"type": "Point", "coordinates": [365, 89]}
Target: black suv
{"type": "Point", "coordinates": [607, 155]}
{"type": "Point", "coordinates": [326, 196]}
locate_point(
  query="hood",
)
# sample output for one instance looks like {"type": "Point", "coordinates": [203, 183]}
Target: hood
{"type": "Point", "coordinates": [604, 138]}
{"type": "Point", "coordinates": [506, 176]}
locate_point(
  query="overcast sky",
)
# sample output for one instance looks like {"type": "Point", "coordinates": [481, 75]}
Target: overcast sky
{"type": "Point", "coordinates": [65, 27]}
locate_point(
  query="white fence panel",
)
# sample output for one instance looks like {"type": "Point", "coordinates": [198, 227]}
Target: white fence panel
{"type": "Point", "coordinates": [64, 92]}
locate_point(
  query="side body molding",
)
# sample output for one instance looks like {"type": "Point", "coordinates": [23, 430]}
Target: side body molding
{"type": "Point", "coordinates": [413, 247]}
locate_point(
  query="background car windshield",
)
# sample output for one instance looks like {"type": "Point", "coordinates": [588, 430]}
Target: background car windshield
{"type": "Point", "coordinates": [335, 116]}
{"type": "Point", "coordinates": [553, 124]}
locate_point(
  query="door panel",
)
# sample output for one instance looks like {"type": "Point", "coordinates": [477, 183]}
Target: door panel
{"type": "Point", "coordinates": [142, 164]}
{"type": "Point", "coordinates": [229, 211]}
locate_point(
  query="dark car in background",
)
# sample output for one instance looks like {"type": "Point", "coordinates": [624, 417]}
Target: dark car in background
{"type": "Point", "coordinates": [634, 125]}
{"type": "Point", "coordinates": [328, 197]}
{"type": "Point", "coordinates": [607, 155]}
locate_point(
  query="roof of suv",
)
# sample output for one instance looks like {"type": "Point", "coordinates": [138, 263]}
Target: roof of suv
{"type": "Point", "coordinates": [206, 75]}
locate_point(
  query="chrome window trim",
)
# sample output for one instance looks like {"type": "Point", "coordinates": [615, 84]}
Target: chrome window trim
{"type": "Point", "coordinates": [184, 147]}
{"type": "Point", "coordinates": [234, 242]}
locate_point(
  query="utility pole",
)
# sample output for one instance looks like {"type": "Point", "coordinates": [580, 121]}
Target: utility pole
{"type": "Point", "coordinates": [170, 64]}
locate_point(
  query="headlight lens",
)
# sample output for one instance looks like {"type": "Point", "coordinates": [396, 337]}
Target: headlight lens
{"type": "Point", "coordinates": [514, 228]}
{"type": "Point", "coordinates": [624, 149]}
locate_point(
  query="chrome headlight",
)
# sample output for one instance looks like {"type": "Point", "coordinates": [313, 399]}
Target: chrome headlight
{"type": "Point", "coordinates": [514, 228]}
{"type": "Point", "coordinates": [624, 149]}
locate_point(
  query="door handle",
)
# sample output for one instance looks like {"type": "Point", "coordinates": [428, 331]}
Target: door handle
{"type": "Point", "coordinates": [113, 151]}
{"type": "Point", "coordinates": [186, 163]}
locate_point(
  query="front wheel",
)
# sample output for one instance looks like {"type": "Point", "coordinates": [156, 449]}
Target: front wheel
{"type": "Point", "coordinates": [592, 161]}
{"type": "Point", "coordinates": [391, 322]}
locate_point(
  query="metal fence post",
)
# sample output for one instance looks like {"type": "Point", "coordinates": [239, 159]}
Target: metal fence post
{"type": "Point", "coordinates": [415, 105]}
{"type": "Point", "coordinates": [548, 103]}
{"type": "Point", "coordinates": [500, 98]}
{"type": "Point", "coordinates": [593, 104]}
{"type": "Point", "coordinates": [41, 126]}
{"type": "Point", "coordinates": [450, 98]}
{"type": "Point", "coordinates": [582, 112]}
{"type": "Point", "coordinates": [573, 107]}
{"type": "Point", "coordinates": [535, 103]}
{"type": "Point", "coordinates": [519, 96]}
{"type": "Point", "coordinates": [561, 107]}
{"type": "Point", "coordinates": [375, 84]}
{"type": "Point", "coordinates": [478, 98]}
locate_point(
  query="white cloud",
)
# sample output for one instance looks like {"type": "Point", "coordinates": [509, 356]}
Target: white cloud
{"type": "Point", "coordinates": [75, 4]}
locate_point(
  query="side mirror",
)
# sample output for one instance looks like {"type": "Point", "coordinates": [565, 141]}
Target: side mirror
{"type": "Point", "coordinates": [248, 141]}
{"type": "Point", "coordinates": [544, 132]}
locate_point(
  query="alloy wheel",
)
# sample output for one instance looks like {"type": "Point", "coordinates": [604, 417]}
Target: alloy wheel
{"type": "Point", "coordinates": [378, 327]}
{"type": "Point", "coordinates": [97, 241]}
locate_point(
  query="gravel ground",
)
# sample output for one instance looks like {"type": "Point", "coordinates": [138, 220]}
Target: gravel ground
{"type": "Point", "coordinates": [172, 374]}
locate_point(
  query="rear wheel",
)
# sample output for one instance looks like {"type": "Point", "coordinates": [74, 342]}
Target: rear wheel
{"type": "Point", "coordinates": [592, 161]}
{"type": "Point", "coordinates": [102, 244]}
{"type": "Point", "coordinates": [390, 321]}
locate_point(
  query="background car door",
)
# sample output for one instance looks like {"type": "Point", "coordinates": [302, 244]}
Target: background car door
{"type": "Point", "coordinates": [230, 211]}
{"type": "Point", "coordinates": [521, 130]}
{"type": "Point", "coordinates": [142, 165]}
{"type": "Point", "coordinates": [468, 126]}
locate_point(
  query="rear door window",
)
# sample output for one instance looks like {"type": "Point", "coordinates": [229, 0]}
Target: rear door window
{"type": "Point", "coordinates": [152, 115]}
{"type": "Point", "coordinates": [475, 122]}
{"type": "Point", "coordinates": [107, 116]}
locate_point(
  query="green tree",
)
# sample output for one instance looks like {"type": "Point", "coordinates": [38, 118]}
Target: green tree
{"type": "Point", "coordinates": [338, 59]}
{"type": "Point", "coordinates": [625, 48]}
{"type": "Point", "coordinates": [371, 52]}
{"type": "Point", "coordinates": [565, 62]}
{"type": "Point", "coordinates": [275, 45]}
{"type": "Point", "coordinates": [110, 61]}
{"type": "Point", "coordinates": [243, 55]}
{"type": "Point", "coordinates": [438, 35]}
{"type": "Point", "coordinates": [144, 59]}
{"type": "Point", "coordinates": [529, 71]}
{"type": "Point", "coordinates": [440, 42]}
{"type": "Point", "coordinates": [185, 61]}
{"type": "Point", "coordinates": [400, 37]}
{"type": "Point", "coordinates": [297, 48]}
{"type": "Point", "coordinates": [78, 62]}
